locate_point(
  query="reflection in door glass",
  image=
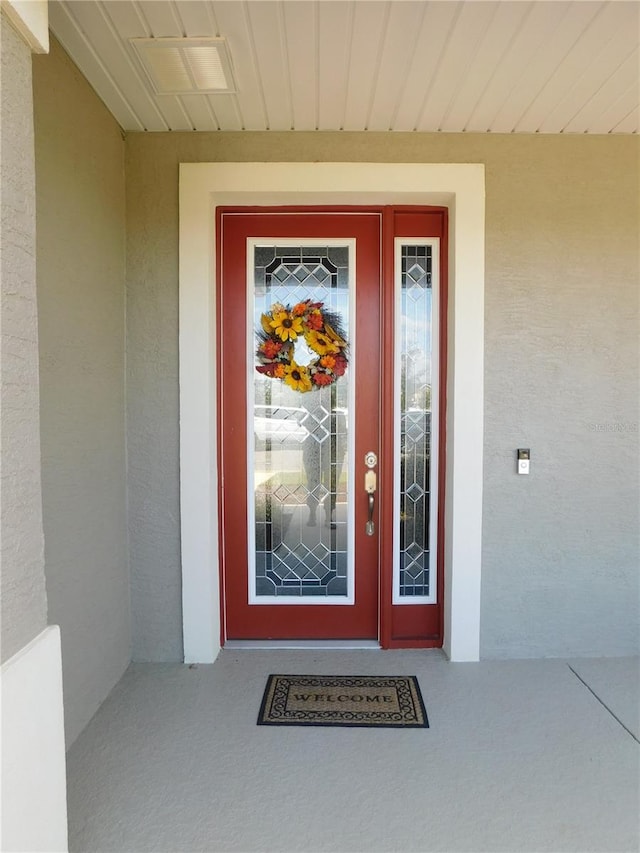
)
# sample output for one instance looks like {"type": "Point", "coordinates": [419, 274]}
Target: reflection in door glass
{"type": "Point", "coordinates": [415, 419]}
{"type": "Point", "coordinates": [300, 454]}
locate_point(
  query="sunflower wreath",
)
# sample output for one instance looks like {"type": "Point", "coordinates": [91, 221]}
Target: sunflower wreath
{"type": "Point", "coordinates": [322, 331]}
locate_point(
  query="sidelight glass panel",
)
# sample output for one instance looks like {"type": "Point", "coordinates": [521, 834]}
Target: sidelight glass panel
{"type": "Point", "coordinates": [299, 451]}
{"type": "Point", "coordinates": [415, 566]}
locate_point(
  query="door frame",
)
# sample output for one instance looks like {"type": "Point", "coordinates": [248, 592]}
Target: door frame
{"type": "Point", "coordinates": [206, 186]}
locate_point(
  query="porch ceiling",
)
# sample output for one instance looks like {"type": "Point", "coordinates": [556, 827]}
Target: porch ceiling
{"type": "Point", "coordinates": [501, 67]}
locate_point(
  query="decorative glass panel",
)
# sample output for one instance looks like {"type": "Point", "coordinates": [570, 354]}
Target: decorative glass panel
{"type": "Point", "coordinates": [300, 455]}
{"type": "Point", "coordinates": [415, 348]}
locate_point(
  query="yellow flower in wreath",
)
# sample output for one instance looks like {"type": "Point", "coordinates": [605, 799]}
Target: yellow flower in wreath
{"type": "Point", "coordinates": [297, 377]}
{"type": "Point", "coordinates": [286, 326]}
{"type": "Point", "coordinates": [321, 343]}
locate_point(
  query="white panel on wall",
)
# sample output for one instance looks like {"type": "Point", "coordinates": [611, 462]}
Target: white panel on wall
{"type": "Point", "coordinates": [34, 796]}
{"type": "Point", "coordinates": [31, 20]}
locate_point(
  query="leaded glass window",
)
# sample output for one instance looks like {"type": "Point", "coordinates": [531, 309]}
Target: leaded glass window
{"type": "Point", "coordinates": [416, 389]}
{"type": "Point", "coordinates": [300, 452]}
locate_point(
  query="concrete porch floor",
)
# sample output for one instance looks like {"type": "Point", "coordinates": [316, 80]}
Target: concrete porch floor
{"type": "Point", "coordinates": [527, 755]}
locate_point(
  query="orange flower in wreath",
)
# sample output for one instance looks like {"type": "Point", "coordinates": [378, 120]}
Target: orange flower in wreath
{"type": "Point", "coordinates": [322, 378]}
{"type": "Point", "coordinates": [271, 348]}
{"type": "Point", "coordinates": [328, 361]}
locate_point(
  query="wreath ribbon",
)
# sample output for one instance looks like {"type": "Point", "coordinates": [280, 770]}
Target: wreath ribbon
{"type": "Point", "coordinates": [321, 330]}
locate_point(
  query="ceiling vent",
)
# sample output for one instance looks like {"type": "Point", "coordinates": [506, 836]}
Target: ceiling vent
{"type": "Point", "coordinates": [187, 66]}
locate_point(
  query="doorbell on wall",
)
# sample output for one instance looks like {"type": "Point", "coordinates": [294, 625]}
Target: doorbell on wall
{"type": "Point", "coordinates": [524, 457]}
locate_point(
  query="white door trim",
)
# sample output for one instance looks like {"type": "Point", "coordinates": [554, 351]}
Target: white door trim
{"type": "Point", "coordinates": [205, 186]}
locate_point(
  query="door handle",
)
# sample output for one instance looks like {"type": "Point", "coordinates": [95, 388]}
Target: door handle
{"type": "Point", "coordinates": [370, 479]}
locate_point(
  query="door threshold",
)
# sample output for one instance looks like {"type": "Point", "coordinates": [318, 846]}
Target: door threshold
{"type": "Point", "coordinates": [302, 644]}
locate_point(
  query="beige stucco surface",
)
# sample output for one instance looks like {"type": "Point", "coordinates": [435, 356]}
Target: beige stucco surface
{"type": "Point", "coordinates": [560, 551]}
{"type": "Point", "coordinates": [81, 258]}
{"type": "Point", "coordinates": [24, 600]}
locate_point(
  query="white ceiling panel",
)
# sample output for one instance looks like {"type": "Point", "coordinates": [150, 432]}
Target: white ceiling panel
{"type": "Point", "coordinates": [334, 27]}
{"type": "Point", "coordinates": [625, 106]}
{"type": "Point", "coordinates": [461, 47]}
{"type": "Point", "coordinates": [196, 18]}
{"type": "Point", "coordinates": [124, 69]}
{"type": "Point", "coordinates": [575, 61]}
{"type": "Point", "coordinates": [501, 66]}
{"type": "Point", "coordinates": [629, 124]}
{"type": "Point", "coordinates": [300, 35]}
{"type": "Point", "coordinates": [603, 63]}
{"type": "Point", "coordinates": [500, 29]}
{"type": "Point", "coordinates": [233, 24]}
{"type": "Point", "coordinates": [367, 39]}
{"type": "Point", "coordinates": [625, 76]}
{"type": "Point", "coordinates": [162, 18]}
{"type": "Point", "coordinates": [265, 24]}
{"type": "Point", "coordinates": [438, 23]}
{"type": "Point", "coordinates": [400, 35]}
{"type": "Point", "coordinates": [544, 62]}
{"type": "Point", "coordinates": [200, 112]}
{"type": "Point", "coordinates": [528, 41]}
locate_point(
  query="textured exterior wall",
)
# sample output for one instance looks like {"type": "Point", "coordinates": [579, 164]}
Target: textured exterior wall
{"type": "Point", "coordinates": [24, 600]}
{"type": "Point", "coordinates": [560, 557]}
{"type": "Point", "coordinates": [81, 255]}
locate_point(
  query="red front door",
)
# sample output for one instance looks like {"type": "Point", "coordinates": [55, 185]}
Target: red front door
{"type": "Point", "coordinates": [310, 405]}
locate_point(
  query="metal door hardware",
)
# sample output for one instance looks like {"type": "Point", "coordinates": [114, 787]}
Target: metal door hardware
{"type": "Point", "coordinates": [370, 482]}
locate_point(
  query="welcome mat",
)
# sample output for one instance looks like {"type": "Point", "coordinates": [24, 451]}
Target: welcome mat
{"type": "Point", "coordinates": [380, 701]}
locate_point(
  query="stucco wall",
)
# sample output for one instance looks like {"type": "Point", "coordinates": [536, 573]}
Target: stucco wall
{"type": "Point", "coordinates": [24, 600]}
{"type": "Point", "coordinates": [81, 257]}
{"type": "Point", "coordinates": [560, 550]}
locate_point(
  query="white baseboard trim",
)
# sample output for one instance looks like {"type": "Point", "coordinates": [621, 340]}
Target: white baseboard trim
{"type": "Point", "coordinates": [34, 794]}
